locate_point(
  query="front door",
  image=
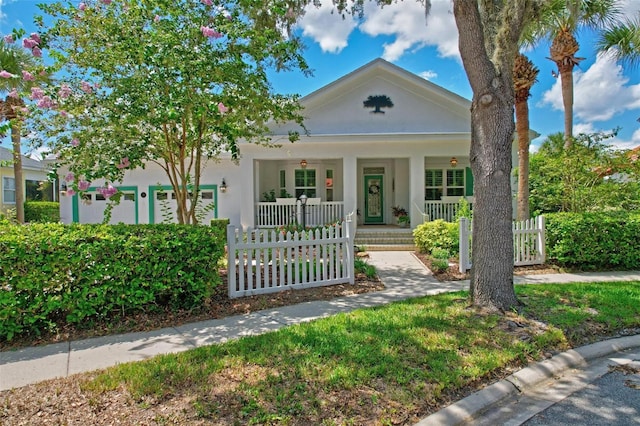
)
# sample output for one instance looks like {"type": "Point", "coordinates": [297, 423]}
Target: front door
{"type": "Point", "coordinates": [373, 199]}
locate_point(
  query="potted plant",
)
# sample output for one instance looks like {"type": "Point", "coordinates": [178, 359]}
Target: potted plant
{"type": "Point", "coordinates": [401, 215]}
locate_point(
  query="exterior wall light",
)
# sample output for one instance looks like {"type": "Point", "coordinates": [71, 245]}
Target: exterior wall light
{"type": "Point", "coordinates": [223, 186]}
{"type": "Point", "coordinates": [453, 161]}
{"type": "Point", "coordinates": [303, 164]}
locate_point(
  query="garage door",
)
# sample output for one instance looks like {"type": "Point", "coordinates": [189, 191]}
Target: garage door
{"type": "Point", "coordinates": [90, 207]}
{"type": "Point", "coordinates": [164, 206]}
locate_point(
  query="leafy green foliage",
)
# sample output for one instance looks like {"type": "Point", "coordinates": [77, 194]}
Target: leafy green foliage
{"type": "Point", "coordinates": [53, 274]}
{"type": "Point", "coordinates": [42, 211]}
{"type": "Point", "coordinates": [175, 82]}
{"type": "Point", "coordinates": [364, 267]}
{"type": "Point", "coordinates": [589, 176]}
{"type": "Point", "coordinates": [437, 234]}
{"type": "Point", "coordinates": [594, 241]}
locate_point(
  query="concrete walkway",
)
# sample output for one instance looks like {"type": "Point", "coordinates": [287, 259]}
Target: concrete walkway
{"type": "Point", "coordinates": [403, 275]}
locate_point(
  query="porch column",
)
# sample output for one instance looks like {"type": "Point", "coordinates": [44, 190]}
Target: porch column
{"type": "Point", "coordinates": [350, 186]}
{"type": "Point", "coordinates": [416, 189]}
{"type": "Point", "coordinates": [248, 184]}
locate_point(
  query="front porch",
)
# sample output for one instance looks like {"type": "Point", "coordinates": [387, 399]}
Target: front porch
{"type": "Point", "coordinates": [318, 213]}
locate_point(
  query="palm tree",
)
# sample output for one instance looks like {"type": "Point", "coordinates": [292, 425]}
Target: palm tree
{"type": "Point", "coordinates": [525, 75]}
{"type": "Point", "coordinates": [568, 17]}
{"type": "Point", "coordinates": [622, 41]}
{"type": "Point", "coordinates": [15, 60]}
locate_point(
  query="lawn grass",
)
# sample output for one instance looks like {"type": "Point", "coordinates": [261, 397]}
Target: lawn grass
{"type": "Point", "coordinates": [387, 365]}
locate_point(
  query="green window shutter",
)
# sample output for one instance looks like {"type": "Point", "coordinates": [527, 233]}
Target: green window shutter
{"type": "Point", "coordinates": [468, 190]}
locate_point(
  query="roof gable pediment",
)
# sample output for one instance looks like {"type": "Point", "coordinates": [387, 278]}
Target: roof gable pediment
{"type": "Point", "coordinates": [383, 98]}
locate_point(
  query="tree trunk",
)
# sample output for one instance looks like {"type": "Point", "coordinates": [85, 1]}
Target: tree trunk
{"type": "Point", "coordinates": [522, 127]}
{"type": "Point", "coordinates": [566, 81]}
{"type": "Point", "coordinates": [16, 128]}
{"type": "Point", "coordinates": [492, 128]}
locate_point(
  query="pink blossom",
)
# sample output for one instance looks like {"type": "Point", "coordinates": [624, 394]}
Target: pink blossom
{"type": "Point", "coordinates": [47, 102]}
{"type": "Point", "coordinates": [36, 93]}
{"type": "Point", "coordinates": [35, 37]}
{"type": "Point", "coordinates": [14, 94]}
{"type": "Point", "coordinates": [43, 73]}
{"type": "Point", "coordinates": [64, 113]}
{"type": "Point", "coordinates": [207, 2]}
{"type": "Point", "coordinates": [64, 91]}
{"type": "Point", "coordinates": [124, 163]}
{"type": "Point", "coordinates": [86, 87]}
{"type": "Point", "coordinates": [82, 6]}
{"type": "Point", "coordinates": [70, 177]}
{"type": "Point", "coordinates": [83, 185]}
{"type": "Point", "coordinates": [75, 142]}
{"type": "Point", "coordinates": [36, 52]}
{"type": "Point", "coordinates": [70, 192]}
{"type": "Point", "coordinates": [156, 18]}
{"type": "Point", "coordinates": [24, 111]}
{"type": "Point", "coordinates": [27, 76]}
{"type": "Point", "coordinates": [107, 2]}
{"type": "Point", "coordinates": [107, 191]}
{"type": "Point", "coordinates": [222, 108]}
{"type": "Point", "coordinates": [8, 39]}
{"type": "Point", "coordinates": [210, 32]}
{"type": "Point", "coordinates": [29, 43]}
{"type": "Point", "coordinates": [6, 74]}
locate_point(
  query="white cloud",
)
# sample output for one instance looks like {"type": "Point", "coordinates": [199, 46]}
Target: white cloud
{"type": "Point", "coordinates": [615, 142]}
{"type": "Point", "coordinates": [327, 29]}
{"type": "Point", "coordinates": [599, 92]}
{"type": "Point", "coordinates": [2, 14]}
{"type": "Point", "coordinates": [428, 75]}
{"type": "Point", "coordinates": [407, 23]}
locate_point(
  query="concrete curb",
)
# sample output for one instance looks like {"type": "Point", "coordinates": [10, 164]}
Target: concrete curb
{"type": "Point", "coordinates": [529, 377]}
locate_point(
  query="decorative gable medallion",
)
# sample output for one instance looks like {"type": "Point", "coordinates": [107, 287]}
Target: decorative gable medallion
{"type": "Point", "coordinates": [377, 102]}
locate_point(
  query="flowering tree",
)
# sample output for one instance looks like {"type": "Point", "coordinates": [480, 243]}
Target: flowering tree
{"type": "Point", "coordinates": [174, 82]}
{"type": "Point", "coordinates": [20, 70]}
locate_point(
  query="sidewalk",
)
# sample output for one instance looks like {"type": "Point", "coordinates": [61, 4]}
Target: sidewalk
{"type": "Point", "coordinates": [403, 275]}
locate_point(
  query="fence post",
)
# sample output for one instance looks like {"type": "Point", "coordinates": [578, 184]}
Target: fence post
{"type": "Point", "coordinates": [346, 226]}
{"type": "Point", "coordinates": [231, 259]}
{"type": "Point", "coordinates": [463, 245]}
{"type": "Point", "coordinates": [542, 237]}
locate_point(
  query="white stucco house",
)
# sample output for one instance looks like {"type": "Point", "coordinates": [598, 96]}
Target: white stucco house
{"type": "Point", "coordinates": [378, 137]}
{"type": "Point", "coordinates": [34, 174]}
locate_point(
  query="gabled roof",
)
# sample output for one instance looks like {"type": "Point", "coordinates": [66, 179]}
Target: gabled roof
{"type": "Point", "coordinates": [27, 163]}
{"type": "Point", "coordinates": [380, 66]}
{"type": "Point", "coordinates": [414, 105]}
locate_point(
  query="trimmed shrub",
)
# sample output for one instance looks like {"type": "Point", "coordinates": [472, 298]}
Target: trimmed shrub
{"type": "Point", "coordinates": [592, 241]}
{"type": "Point", "coordinates": [437, 234]}
{"type": "Point", "coordinates": [53, 274]}
{"type": "Point", "coordinates": [42, 211]}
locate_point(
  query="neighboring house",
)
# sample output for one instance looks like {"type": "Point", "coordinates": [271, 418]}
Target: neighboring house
{"type": "Point", "coordinates": [378, 137]}
{"type": "Point", "coordinates": [35, 180]}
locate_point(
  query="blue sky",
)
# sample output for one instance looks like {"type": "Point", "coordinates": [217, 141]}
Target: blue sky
{"type": "Point", "coordinates": [607, 95]}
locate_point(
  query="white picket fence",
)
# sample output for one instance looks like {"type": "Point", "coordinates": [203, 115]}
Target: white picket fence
{"type": "Point", "coordinates": [528, 242]}
{"type": "Point", "coordinates": [264, 261]}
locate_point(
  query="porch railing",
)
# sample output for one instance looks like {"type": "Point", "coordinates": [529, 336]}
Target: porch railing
{"type": "Point", "coordinates": [271, 215]}
{"type": "Point", "coordinates": [441, 210]}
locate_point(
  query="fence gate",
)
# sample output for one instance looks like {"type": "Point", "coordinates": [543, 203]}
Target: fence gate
{"type": "Point", "coordinates": [264, 261]}
{"type": "Point", "coordinates": [528, 242]}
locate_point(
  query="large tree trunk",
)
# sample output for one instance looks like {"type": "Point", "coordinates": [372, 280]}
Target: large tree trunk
{"type": "Point", "coordinates": [522, 124]}
{"type": "Point", "coordinates": [492, 128]}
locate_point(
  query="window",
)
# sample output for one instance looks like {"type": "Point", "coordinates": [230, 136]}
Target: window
{"type": "Point", "coordinates": [329, 184]}
{"type": "Point", "coordinates": [435, 187]}
{"type": "Point", "coordinates": [283, 182]}
{"type": "Point", "coordinates": [305, 180]}
{"type": "Point", "coordinates": [433, 184]}
{"type": "Point", "coordinates": [8, 190]}
{"type": "Point", "coordinates": [455, 182]}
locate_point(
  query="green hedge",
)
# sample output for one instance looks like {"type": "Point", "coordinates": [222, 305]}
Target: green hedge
{"type": "Point", "coordinates": [41, 211]}
{"type": "Point", "coordinates": [54, 274]}
{"type": "Point", "coordinates": [594, 241]}
{"type": "Point", "coordinates": [437, 234]}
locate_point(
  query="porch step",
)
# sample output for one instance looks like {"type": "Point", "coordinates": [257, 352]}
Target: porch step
{"type": "Point", "coordinates": [384, 238]}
